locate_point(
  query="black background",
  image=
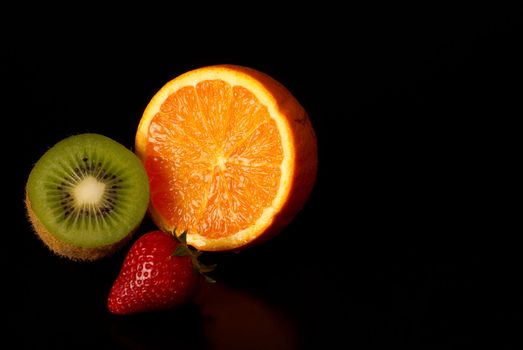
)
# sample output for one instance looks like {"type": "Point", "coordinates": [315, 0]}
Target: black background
{"type": "Point", "coordinates": [405, 240]}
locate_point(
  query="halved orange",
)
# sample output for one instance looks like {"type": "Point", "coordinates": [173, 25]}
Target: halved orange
{"type": "Point", "coordinates": [231, 156]}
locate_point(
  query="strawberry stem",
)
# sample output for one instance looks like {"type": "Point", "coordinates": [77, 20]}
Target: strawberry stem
{"type": "Point", "coordinates": [183, 249]}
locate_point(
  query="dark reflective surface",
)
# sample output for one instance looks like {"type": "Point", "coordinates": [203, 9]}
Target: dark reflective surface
{"type": "Point", "coordinates": [406, 239]}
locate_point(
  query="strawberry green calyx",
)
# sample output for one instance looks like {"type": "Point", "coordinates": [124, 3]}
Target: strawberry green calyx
{"type": "Point", "coordinates": [183, 249]}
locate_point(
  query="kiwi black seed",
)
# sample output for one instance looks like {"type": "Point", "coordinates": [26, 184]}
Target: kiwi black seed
{"type": "Point", "coordinates": [86, 196]}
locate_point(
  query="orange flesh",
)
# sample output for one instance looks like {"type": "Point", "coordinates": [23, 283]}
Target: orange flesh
{"type": "Point", "coordinates": [213, 157]}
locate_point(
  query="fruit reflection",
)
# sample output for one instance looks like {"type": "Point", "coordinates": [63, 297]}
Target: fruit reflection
{"type": "Point", "coordinates": [222, 317]}
{"type": "Point", "coordinates": [234, 319]}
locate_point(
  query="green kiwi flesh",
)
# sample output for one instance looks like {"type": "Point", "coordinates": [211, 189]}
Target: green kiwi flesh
{"type": "Point", "coordinates": [86, 196]}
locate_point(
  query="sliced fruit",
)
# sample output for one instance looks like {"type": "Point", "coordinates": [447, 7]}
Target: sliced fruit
{"type": "Point", "coordinates": [86, 195]}
{"type": "Point", "coordinates": [231, 156]}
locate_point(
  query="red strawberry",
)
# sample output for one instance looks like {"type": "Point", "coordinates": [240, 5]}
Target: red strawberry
{"type": "Point", "coordinates": [159, 272]}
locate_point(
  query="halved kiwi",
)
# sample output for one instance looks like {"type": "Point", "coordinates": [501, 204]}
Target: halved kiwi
{"type": "Point", "coordinates": [86, 196]}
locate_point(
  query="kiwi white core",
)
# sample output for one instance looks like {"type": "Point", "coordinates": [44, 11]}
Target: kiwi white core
{"type": "Point", "coordinates": [89, 191]}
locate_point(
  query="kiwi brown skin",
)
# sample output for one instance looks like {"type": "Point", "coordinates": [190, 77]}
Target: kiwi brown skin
{"type": "Point", "coordinates": [69, 251]}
